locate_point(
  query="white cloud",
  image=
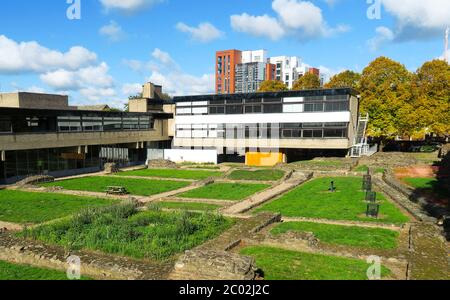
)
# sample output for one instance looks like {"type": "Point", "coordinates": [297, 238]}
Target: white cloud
{"type": "Point", "coordinates": [418, 19]}
{"type": "Point", "coordinates": [165, 71]}
{"type": "Point", "coordinates": [383, 35]}
{"type": "Point", "coordinates": [177, 84]}
{"type": "Point", "coordinates": [88, 78]}
{"type": "Point", "coordinates": [128, 6]}
{"type": "Point", "coordinates": [294, 17]}
{"type": "Point", "coordinates": [99, 95]}
{"type": "Point", "coordinates": [163, 57]}
{"type": "Point", "coordinates": [112, 32]}
{"type": "Point", "coordinates": [204, 32]}
{"type": "Point", "coordinates": [261, 26]}
{"type": "Point", "coordinates": [129, 89]}
{"type": "Point", "coordinates": [23, 57]}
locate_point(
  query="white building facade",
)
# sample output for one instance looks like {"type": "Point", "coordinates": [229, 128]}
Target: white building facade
{"type": "Point", "coordinates": [289, 122]}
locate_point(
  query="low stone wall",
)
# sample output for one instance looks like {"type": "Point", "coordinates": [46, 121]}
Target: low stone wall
{"type": "Point", "coordinates": [97, 266]}
{"type": "Point", "coordinates": [215, 260]}
{"type": "Point", "coordinates": [32, 180]}
{"type": "Point", "coordinates": [389, 160]}
{"type": "Point", "coordinates": [214, 265]}
{"type": "Point", "coordinates": [161, 163]}
{"type": "Point", "coordinates": [111, 168]}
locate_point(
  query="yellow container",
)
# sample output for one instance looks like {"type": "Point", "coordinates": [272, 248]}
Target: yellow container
{"type": "Point", "coordinates": [263, 159]}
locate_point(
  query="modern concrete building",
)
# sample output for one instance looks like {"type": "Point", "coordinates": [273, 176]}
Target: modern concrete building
{"type": "Point", "coordinates": [293, 124]}
{"type": "Point", "coordinates": [42, 134]}
{"type": "Point", "coordinates": [226, 62]}
{"type": "Point", "coordinates": [249, 76]}
{"type": "Point", "coordinates": [243, 71]}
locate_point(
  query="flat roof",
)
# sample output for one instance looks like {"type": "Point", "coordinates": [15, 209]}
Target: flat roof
{"type": "Point", "coordinates": [302, 93]}
{"type": "Point", "coordinates": [75, 112]}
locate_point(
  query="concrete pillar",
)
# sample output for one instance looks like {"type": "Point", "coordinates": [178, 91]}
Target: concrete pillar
{"type": "Point", "coordinates": [3, 156]}
{"type": "Point", "coordinates": [86, 149]}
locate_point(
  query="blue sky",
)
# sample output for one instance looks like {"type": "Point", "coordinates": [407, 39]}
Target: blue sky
{"type": "Point", "coordinates": [118, 45]}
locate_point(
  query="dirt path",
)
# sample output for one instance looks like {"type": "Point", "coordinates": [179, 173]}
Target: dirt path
{"type": "Point", "coordinates": [269, 194]}
{"type": "Point", "coordinates": [10, 226]}
{"type": "Point", "coordinates": [195, 200]}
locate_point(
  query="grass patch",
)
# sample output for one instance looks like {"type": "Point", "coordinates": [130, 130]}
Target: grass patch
{"type": "Point", "coordinates": [261, 175]}
{"type": "Point", "coordinates": [9, 271]}
{"type": "Point", "coordinates": [225, 191]}
{"type": "Point", "coordinates": [122, 230]}
{"type": "Point", "coordinates": [313, 200]}
{"type": "Point", "coordinates": [421, 183]}
{"type": "Point", "coordinates": [280, 264]}
{"type": "Point", "coordinates": [25, 207]}
{"type": "Point", "coordinates": [172, 173]}
{"type": "Point", "coordinates": [376, 238]}
{"type": "Point", "coordinates": [428, 185]}
{"type": "Point", "coordinates": [189, 206]}
{"type": "Point", "coordinates": [142, 187]}
{"type": "Point", "coordinates": [364, 169]}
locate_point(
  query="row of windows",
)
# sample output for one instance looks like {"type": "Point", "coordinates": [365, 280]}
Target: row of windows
{"type": "Point", "coordinates": [266, 108]}
{"type": "Point", "coordinates": [24, 124]}
{"type": "Point", "coordinates": [70, 124]}
{"type": "Point", "coordinates": [264, 131]}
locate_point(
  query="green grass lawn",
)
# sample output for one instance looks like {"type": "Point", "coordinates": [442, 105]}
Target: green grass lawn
{"type": "Point", "coordinates": [376, 238]}
{"type": "Point", "coordinates": [24, 207]}
{"type": "Point", "coordinates": [225, 191]}
{"type": "Point", "coordinates": [262, 175]}
{"type": "Point", "coordinates": [313, 200]}
{"type": "Point", "coordinates": [123, 230]}
{"type": "Point", "coordinates": [189, 206]}
{"type": "Point", "coordinates": [364, 169]}
{"type": "Point", "coordinates": [421, 183]}
{"type": "Point", "coordinates": [10, 271]}
{"type": "Point", "coordinates": [280, 264]}
{"type": "Point", "coordinates": [430, 185]}
{"type": "Point", "coordinates": [142, 187]}
{"type": "Point", "coordinates": [172, 173]}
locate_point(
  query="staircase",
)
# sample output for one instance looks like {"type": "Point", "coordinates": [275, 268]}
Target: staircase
{"type": "Point", "coordinates": [360, 146]}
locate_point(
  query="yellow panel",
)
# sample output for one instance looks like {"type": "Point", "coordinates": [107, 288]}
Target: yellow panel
{"type": "Point", "coordinates": [261, 159]}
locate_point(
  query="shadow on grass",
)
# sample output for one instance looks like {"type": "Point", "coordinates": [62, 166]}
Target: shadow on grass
{"type": "Point", "coordinates": [437, 194]}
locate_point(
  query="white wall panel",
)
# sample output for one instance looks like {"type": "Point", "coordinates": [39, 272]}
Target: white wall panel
{"type": "Point", "coordinates": [195, 156]}
{"type": "Point", "coordinates": [266, 118]}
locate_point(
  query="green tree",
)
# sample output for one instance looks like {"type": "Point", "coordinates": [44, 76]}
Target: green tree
{"type": "Point", "coordinates": [345, 79]}
{"type": "Point", "coordinates": [272, 86]}
{"type": "Point", "coordinates": [431, 89]}
{"type": "Point", "coordinates": [306, 82]}
{"type": "Point", "coordinates": [386, 96]}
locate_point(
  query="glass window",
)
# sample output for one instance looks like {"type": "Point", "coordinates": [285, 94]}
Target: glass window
{"type": "Point", "coordinates": [272, 100]}
{"type": "Point", "coordinates": [312, 125]}
{"type": "Point", "coordinates": [217, 110]}
{"type": "Point", "coordinates": [92, 123]}
{"type": "Point", "coordinates": [145, 122]}
{"type": "Point", "coordinates": [234, 109]}
{"type": "Point", "coordinates": [5, 125]}
{"type": "Point", "coordinates": [112, 123]}
{"type": "Point", "coordinates": [234, 101]}
{"type": "Point", "coordinates": [334, 133]}
{"type": "Point", "coordinates": [273, 108]}
{"type": "Point", "coordinates": [69, 123]}
{"type": "Point", "coordinates": [253, 109]}
{"type": "Point", "coordinates": [131, 123]}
